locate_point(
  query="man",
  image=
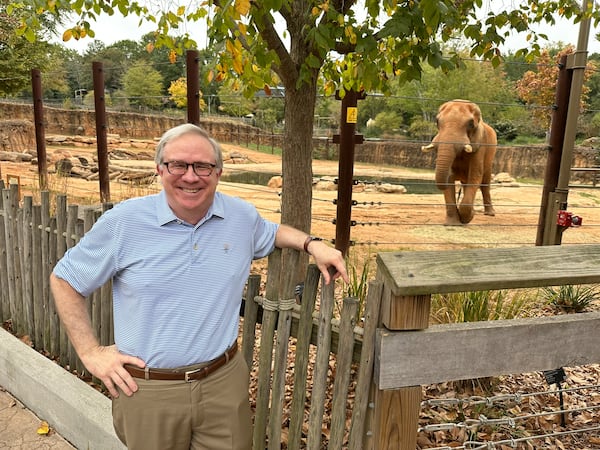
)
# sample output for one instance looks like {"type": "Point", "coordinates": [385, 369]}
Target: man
{"type": "Point", "coordinates": [179, 261]}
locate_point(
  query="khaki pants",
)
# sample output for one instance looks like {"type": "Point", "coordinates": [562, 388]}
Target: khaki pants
{"type": "Point", "coordinates": [209, 414]}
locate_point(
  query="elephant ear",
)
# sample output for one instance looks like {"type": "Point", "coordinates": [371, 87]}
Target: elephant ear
{"type": "Point", "coordinates": [475, 122]}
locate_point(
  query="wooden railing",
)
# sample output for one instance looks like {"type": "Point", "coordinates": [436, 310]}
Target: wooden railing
{"type": "Point", "coordinates": [406, 358]}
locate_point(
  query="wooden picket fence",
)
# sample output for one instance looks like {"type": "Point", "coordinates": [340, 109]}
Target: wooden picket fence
{"type": "Point", "coordinates": [33, 237]}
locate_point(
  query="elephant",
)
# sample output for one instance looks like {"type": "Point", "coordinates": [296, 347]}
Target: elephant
{"type": "Point", "coordinates": [466, 147]}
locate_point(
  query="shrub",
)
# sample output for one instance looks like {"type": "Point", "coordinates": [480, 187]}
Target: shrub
{"type": "Point", "coordinates": [478, 306]}
{"type": "Point", "coordinates": [571, 298]}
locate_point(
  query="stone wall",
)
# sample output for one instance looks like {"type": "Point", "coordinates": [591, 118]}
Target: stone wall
{"type": "Point", "coordinates": [16, 134]}
{"type": "Point", "coordinates": [16, 131]}
{"type": "Point", "coordinates": [82, 122]}
{"type": "Point", "coordinates": [521, 161]}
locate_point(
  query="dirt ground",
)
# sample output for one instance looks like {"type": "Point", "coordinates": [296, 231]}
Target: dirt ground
{"type": "Point", "coordinates": [385, 221]}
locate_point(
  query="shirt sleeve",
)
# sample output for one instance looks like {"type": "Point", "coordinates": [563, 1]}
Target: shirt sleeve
{"type": "Point", "coordinates": [264, 237]}
{"type": "Point", "coordinates": [92, 262]}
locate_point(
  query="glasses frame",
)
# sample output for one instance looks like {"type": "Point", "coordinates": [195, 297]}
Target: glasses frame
{"type": "Point", "coordinates": [195, 167]}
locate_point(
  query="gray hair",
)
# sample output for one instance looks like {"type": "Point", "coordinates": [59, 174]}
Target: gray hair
{"type": "Point", "coordinates": [187, 128]}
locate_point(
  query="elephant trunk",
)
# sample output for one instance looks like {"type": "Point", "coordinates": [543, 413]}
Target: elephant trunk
{"type": "Point", "coordinates": [445, 158]}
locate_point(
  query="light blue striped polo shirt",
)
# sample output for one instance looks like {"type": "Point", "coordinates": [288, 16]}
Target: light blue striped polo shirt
{"type": "Point", "coordinates": [177, 288]}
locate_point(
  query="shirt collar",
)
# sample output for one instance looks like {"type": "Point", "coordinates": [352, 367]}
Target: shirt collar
{"type": "Point", "coordinates": [165, 215]}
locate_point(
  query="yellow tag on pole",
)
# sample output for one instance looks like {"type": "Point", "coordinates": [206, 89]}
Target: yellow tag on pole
{"type": "Point", "coordinates": [351, 114]}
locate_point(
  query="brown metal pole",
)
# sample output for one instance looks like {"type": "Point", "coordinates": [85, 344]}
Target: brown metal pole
{"type": "Point", "coordinates": [40, 135]}
{"type": "Point", "coordinates": [576, 64]}
{"type": "Point", "coordinates": [193, 87]}
{"type": "Point", "coordinates": [557, 135]}
{"type": "Point", "coordinates": [347, 139]}
{"type": "Point", "coordinates": [101, 131]}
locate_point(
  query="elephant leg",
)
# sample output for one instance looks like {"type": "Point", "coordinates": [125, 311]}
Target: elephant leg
{"type": "Point", "coordinates": [452, 216]}
{"type": "Point", "coordinates": [466, 209]}
{"type": "Point", "coordinates": [488, 209]}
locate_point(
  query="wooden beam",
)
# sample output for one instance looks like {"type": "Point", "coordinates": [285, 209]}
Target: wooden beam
{"type": "Point", "coordinates": [433, 272]}
{"type": "Point", "coordinates": [481, 349]}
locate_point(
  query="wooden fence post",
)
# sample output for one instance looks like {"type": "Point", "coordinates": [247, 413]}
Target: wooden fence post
{"type": "Point", "coordinates": [4, 296]}
{"type": "Point", "coordinates": [15, 294]}
{"type": "Point", "coordinates": [307, 307]}
{"type": "Point", "coordinates": [27, 299]}
{"type": "Point", "coordinates": [395, 415]}
{"type": "Point", "coordinates": [266, 351]}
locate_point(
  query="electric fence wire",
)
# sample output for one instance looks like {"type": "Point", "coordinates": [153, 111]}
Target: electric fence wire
{"type": "Point", "coordinates": [504, 400]}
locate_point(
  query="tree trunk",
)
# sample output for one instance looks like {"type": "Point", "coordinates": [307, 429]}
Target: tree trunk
{"type": "Point", "coordinates": [296, 198]}
{"type": "Point", "coordinates": [297, 157]}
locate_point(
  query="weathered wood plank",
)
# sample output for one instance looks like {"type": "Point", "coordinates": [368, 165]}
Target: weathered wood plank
{"type": "Point", "coordinates": [250, 319]}
{"type": "Point", "coordinates": [397, 418]}
{"type": "Point", "coordinates": [430, 272]}
{"type": "Point", "coordinates": [317, 406]}
{"type": "Point", "coordinates": [285, 304]}
{"type": "Point", "coordinates": [342, 374]}
{"type": "Point", "coordinates": [265, 363]}
{"type": "Point", "coordinates": [365, 371]}
{"type": "Point", "coordinates": [27, 266]}
{"type": "Point", "coordinates": [481, 349]}
{"type": "Point", "coordinates": [305, 330]}
{"type": "Point", "coordinates": [37, 277]}
{"type": "Point", "coordinates": [47, 265]}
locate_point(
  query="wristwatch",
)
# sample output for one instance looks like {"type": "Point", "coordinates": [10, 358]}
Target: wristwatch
{"type": "Point", "coordinates": [308, 240]}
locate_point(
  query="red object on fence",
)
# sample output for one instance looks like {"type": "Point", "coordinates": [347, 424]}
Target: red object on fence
{"type": "Point", "coordinates": [567, 219]}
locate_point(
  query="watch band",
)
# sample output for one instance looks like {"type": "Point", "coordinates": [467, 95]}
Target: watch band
{"type": "Point", "coordinates": [308, 240]}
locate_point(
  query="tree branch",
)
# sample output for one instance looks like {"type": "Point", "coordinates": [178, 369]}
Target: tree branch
{"type": "Point", "coordinates": [287, 68]}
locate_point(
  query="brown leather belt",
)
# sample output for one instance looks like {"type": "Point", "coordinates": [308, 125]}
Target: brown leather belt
{"type": "Point", "coordinates": [184, 375]}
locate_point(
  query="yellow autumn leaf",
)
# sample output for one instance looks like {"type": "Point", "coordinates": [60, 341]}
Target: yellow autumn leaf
{"type": "Point", "coordinates": [67, 35]}
{"type": "Point", "coordinates": [150, 47]}
{"type": "Point", "coordinates": [44, 428]}
{"type": "Point", "coordinates": [237, 65]}
{"type": "Point", "coordinates": [172, 56]}
{"type": "Point", "coordinates": [210, 75]}
{"type": "Point", "coordinates": [242, 6]}
{"type": "Point", "coordinates": [181, 11]}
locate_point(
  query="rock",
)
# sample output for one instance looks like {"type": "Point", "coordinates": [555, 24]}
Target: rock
{"type": "Point", "coordinates": [502, 177]}
{"type": "Point", "coordinates": [275, 182]}
{"type": "Point", "coordinates": [388, 188]}
{"type": "Point", "coordinates": [324, 185]}
{"type": "Point", "coordinates": [591, 142]}
{"type": "Point", "coordinates": [360, 187]}
{"type": "Point", "coordinates": [64, 167]}
{"type": "Point", "coordinates": [15, 156]}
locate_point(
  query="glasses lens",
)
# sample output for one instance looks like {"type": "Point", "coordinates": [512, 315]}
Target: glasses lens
{"type": "Point", "coordinates": [202, 169]}
{"type": "Point", "coordinates": [176, 167]}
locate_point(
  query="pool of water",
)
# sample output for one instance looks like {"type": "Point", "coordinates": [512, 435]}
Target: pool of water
{"type": "Point", "coordinates": [412, 185]}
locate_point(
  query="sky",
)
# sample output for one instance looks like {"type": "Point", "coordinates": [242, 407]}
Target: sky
{"type": "Point", "coordinates": [114, 28]}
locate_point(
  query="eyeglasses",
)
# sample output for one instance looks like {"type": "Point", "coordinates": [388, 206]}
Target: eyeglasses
{"type": "Point", "coordinates": [180, 167]}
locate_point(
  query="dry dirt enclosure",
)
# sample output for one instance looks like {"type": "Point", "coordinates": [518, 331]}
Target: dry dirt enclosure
{"type": "Point", "coordinates": [393, 222]}
{"type": "Point", "coordinates": [385, 221]}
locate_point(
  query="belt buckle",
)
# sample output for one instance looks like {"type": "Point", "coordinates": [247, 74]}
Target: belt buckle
{"type": "Point", "coordinates": [188, 373]}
